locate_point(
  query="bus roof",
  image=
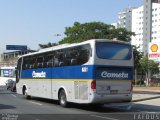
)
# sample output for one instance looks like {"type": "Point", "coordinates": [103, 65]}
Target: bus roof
{"type": "Point", "coordinates": [68, 45]}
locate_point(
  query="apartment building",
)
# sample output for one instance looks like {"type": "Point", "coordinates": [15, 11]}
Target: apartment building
{"type": "Point", "coordinates": [125, 19]}
{"type": "Point", "coordinates": [144, 21]}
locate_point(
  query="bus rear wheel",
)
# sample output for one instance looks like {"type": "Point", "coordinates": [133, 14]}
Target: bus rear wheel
{"type": "Point", "coordinates": [63, 99]}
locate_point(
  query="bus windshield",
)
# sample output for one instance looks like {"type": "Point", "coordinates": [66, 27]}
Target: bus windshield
{"type": "Point", "coordinates": [113, 51]}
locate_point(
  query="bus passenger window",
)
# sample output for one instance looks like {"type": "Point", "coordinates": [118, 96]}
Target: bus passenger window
{"type": "Point", "coordinates": [73, 61]}
{"type": "Point", "coordinates": [56, 62]}
{"type": "Point", "coordinates": [83, 57]}
{"type": "Point", "coordinates": [48, 61]}
{"type": "Point", "coordinates": [39, 62]}
{"type": "Point", "coordinates": [32, 63]}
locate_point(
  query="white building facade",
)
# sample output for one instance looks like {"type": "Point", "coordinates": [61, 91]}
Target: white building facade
{"type": "Point", "coordinates": [137, 27]}
{"type": "Point", "coordinates": [155, 23]}
{"type": "Point", "coordinates": [125, 19]}
{"type": "Point", "coordinates": [144, 21]}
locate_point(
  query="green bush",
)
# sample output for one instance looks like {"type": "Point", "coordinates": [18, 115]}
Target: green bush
{"type": "Point", "coordinates": [139, 82]}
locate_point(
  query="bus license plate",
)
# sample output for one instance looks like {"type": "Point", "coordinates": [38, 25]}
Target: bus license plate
{"type": "Point", "coordinates": [114, 91]}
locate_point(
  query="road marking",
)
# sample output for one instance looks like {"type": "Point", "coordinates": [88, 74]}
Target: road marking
{"type": "Point", "coordinates": [13, 95]}
{"type": "Point", "coordinates": [103, 117]}
{"type": "Point", "coordinates": [36, 103]}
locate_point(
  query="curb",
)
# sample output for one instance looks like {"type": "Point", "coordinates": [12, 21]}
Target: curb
{"type": "Point", "coordinates": [147, 91]}
{"type": "Point", "coordinates": [144, 99]}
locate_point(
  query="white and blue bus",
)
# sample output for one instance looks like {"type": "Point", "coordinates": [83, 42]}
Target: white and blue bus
{"type": "Point", "coordinates": [6, 73]}
{"type": "Point", "coordinates": [91, 72]}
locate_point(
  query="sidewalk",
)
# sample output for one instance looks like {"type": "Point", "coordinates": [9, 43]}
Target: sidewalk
{"type": "Point", "coordinates": [143, 94]}
{"type": "Point", "coordinates": [148, 91]}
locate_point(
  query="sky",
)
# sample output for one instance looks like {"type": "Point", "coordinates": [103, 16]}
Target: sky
{"type": "Point", "coordinates": [33, 22]}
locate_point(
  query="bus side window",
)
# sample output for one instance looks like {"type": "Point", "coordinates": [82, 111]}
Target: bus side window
{"type": "Point", "coordinates": [48, 60]}
{"type": "Point", "coordinates": [61, 60]}
{"type": "Point", "coordinates": [32, 63]}
{"type": "Point", "coordinates": [67, 57]}
{"type": "Point", "coordinates": [73, 61]}
{"type": "Point", "coordinates": [56, 59]}
{"type": "Point", "coordinates": [39, 62]}
{"type": "Point", "coordinates": [83, 55]}
{"type": "Point", "coordinates": [56, 62]}
{"type": "Point", "coordinates": [25, 63]}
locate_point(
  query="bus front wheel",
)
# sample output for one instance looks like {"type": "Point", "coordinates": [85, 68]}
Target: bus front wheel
{"type": "Point", "coordinates": [63, 98]}
{"type": "Point", "coordinates": [24, 92]}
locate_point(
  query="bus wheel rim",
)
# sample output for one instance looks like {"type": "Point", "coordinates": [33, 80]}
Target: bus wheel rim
{"type": "Point", "coordinates": [63, 98]}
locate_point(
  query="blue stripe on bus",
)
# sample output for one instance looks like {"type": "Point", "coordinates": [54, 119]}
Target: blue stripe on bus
{"type": "Point", "coordinates": [80, 72]}
{"type": "Point", "coordinates": [67, 72]}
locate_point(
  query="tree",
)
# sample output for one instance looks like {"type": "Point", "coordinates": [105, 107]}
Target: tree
{"type": "Point", "coordinates": [137, 57]}
{"type": "Point", "coordinates": [148, 66]}
{"type": "Point", "coordinates": [47, 45]}
{"type": "Point", "coordinates": [94, 30]}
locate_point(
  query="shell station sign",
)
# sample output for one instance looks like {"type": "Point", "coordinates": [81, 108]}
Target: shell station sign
{"type": "Point", "coordinates": [154, 51]}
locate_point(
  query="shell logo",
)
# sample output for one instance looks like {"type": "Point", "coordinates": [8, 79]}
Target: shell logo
{"type": "Point", "coordinates": [154, 48]}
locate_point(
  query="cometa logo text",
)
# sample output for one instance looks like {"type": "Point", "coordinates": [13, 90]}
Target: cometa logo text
{"type": "Point", "coordinates": [106, 74]}
{"type": "Point", "coordinates": [38, 74]}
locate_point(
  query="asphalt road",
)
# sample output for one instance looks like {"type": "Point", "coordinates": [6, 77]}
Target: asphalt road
{"type": "Point", "coordinates": [15, 106]}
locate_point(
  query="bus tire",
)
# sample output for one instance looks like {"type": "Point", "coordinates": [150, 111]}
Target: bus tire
{"type": "Point", "coordinates": [62, 98]}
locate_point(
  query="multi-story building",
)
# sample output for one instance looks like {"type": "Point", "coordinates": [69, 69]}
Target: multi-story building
{"type": "Point", "coordinates": [125, 19]}
{"type": "Point", "coordinates": [151, 22]}
{"type": "Point", "coordinates": [144, 21]}
{"type": "Point", "coordinates": [137, 27]}
{"type": "Point", "coordinates": [10, 58]}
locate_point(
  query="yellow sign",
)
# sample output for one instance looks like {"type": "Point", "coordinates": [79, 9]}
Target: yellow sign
{"type": "Point", "coordinates": [154, 48]}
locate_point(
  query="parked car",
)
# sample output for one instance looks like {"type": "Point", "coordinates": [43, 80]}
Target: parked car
{"type": "Point", "coordinates": [11, 85]}
{"type": "Point", "coordinates": [13, 89]}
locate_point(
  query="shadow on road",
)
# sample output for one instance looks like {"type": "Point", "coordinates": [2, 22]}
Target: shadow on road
{"type": "Point", "coordinates": [2, 106]}
{"type": "Point", "coordinates": [145, 107]}
{"type": "Point", "coordinates": [86, 107]}
{"type": "Point", "coordinates": [3, 90]}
